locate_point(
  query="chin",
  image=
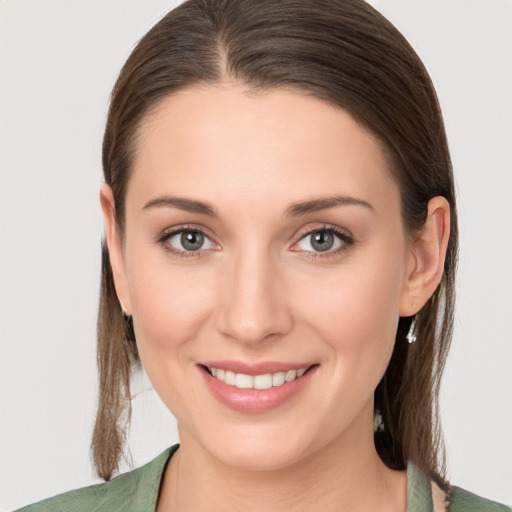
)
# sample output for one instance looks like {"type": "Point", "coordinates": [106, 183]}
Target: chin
{"type": "Point", "coordinates": [255, 455]}
{"type": "Point", "coordinates": [257, 447]}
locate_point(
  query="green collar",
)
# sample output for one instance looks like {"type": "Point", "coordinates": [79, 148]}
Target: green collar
{"type": "Point", "coordinates": [419, 493]}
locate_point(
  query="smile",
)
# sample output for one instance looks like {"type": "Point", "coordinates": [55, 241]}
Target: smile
{"type": "Point", "coordinates": [258, 387]}
{"type": "Point", "coordinates": [263, 381]}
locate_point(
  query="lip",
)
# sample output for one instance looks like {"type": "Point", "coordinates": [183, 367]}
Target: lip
{"type": "Point", "coordinates": [256, 400]}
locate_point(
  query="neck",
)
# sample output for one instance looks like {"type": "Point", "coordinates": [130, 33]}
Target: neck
{"type": "Point", "coordinates": [345, 475]}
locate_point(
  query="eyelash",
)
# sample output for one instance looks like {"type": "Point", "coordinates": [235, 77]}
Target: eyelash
{"type": "Point", "coordinates": [183, 229]}
{"type": "Point", "coordinates": [345, 239]}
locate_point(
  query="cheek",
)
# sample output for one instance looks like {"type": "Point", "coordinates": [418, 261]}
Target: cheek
{"type": "Point", "coordinates": [355, 294]}
{"type": "Point", "coordinates": [356, 309]}
{"type": "Point", "coordinates": [170, 305]}
{"type": "Point", "coordinates": [169, 302]}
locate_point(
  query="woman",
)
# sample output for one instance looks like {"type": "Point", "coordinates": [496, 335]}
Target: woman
{"type": "Point", "coordinates": [281, 240]}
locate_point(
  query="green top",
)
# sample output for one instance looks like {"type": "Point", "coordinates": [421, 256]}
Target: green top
{"type": "Point", "coordinates": [137, 491]}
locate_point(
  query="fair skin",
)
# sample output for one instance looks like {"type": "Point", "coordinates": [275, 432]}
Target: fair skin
{"type": "Point", "coordinates": [258, 288]}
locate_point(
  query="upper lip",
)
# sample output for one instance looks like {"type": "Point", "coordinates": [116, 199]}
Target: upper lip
{"type": "Point", "coordinates": [256, 368]}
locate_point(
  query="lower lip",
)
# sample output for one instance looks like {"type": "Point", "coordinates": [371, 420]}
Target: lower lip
{"type": "Point", "coordinates": [255, 400]}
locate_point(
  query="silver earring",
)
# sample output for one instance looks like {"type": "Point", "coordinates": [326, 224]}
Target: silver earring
{"type": "Point", "coordinates": [378, 422]}
{"type": "Point", "coordinates": [411, 335]}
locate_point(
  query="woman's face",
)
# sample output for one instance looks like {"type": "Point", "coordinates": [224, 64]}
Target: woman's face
{"type": "Point", "coordinates": [263, 235]}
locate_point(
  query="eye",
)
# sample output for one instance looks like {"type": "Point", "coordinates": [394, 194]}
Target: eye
{"type": "Point", "coordinates": [187, 241]}
{"type": "Point", "coordinates": [323, 240]}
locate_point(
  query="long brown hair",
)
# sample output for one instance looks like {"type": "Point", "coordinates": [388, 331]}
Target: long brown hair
{"type": "Point", "coordinates": [347, 54]}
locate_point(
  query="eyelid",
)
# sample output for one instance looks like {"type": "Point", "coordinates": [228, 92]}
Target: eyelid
{"type": "Point", "coordinates": [168, 233]}
{"type": "Point", "coordinates": [343, 235]}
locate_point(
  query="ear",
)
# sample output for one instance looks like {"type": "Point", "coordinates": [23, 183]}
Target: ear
{"type": "Point", "coordinates": [426, 259]}
{"type": "Point", "coordinates": [115, 248]}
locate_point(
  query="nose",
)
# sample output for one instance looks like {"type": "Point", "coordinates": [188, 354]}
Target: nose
{"type": "Point", "coordinates": [254, 306]}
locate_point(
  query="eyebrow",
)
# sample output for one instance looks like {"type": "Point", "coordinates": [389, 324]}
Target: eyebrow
{"type": "Point", "coordinates": [296, 209]}
{"type": "Point", "coordinates": [188, 205]}
{"type": "Point", "coordinates": [323, 203]}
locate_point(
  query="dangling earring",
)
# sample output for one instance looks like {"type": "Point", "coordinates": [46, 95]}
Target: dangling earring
{"type": "Point", "coordinates": [378, 422]}
{"type": "Point", "coordinates": [411, 335]}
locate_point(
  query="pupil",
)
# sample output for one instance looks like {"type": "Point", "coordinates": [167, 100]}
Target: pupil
{"type": "Point", "coordinates": [192, 240]}
{"type": "Point", "coordinates": [322, 241]}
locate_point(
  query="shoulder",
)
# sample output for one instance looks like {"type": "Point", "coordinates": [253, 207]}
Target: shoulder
{"type": "Point", "coordinates": [460, 500]}
{"type": "Point", "coordinates": [139, 488]}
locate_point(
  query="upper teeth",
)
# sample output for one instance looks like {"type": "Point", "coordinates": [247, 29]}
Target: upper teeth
{"type": "Point", "coordinates": [265, 381]}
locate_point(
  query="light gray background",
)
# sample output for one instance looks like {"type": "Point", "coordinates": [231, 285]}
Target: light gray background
{"type": "Point", "coordinates": [58, 62]}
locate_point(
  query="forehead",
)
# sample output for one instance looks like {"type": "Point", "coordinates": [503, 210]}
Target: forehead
{"type": "Point", "coordinates": [223, 142]}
